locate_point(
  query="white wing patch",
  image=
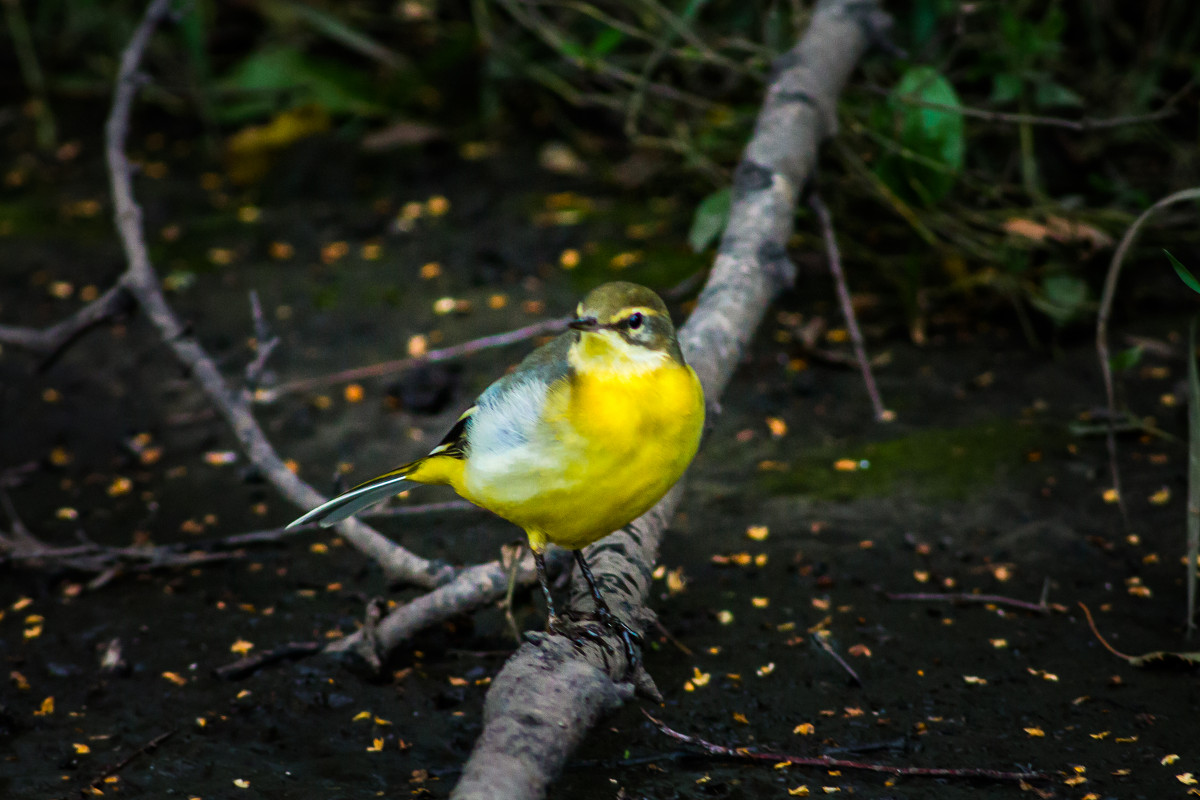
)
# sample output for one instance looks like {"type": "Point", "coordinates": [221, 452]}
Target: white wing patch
{"type": "Point", "coordinates": [506, 420]}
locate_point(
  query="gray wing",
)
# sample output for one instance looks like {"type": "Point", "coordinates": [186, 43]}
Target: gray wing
{"type": "Point", "coordinates": [506, 413]}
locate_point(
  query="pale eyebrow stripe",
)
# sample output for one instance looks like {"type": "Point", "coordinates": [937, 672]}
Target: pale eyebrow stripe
{"type": "Point", "coordinates": [625, 312]}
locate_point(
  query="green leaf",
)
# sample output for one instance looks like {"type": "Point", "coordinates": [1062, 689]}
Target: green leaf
{"type": "Point", "coordinates": [1048, 94]}
{"type": "Point", "coordinates": [710, 218]}
{"type": "Point", "coordinates": [1063, 298]}
{"type": "Point", "coordinates": [193, 27]}
{"type": "Point", "coordinates": [332, 27]}
{"type": "Point", "coordinates": [931, 140]}
{"type": "Point", "coordinates": [281, 77]}
{"type": "Point", "coordinates": [923, 20]}
{"type": "Point", "coordinates": [1006, 88]}
{"type": "Point", "coordinates": [1183, 273]}
{"type": "Point", "coordinates": [606, 41]}
{"type": "Point", "coordinates": [1126, 359]}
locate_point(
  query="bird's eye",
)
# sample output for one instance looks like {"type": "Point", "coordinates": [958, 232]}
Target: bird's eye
{"type": "Point", "coordinates": [635, 320]}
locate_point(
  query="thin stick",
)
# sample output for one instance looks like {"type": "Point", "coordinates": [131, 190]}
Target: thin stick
{"type": "Point", "coordinates": [264, 344]}
{"type": "Point", "coordinates": [1106, 302]}
{"type": "Point", "coordinates": [828, 648]}
{"type": "Point", "coordinates": [85, 790]}
{"type": "Point", "coordinates": [1087, 612]}
{"type": "Point", "coordinates": [108, 562]}
{"type": "Point", "coordinates": [142, 282]}
{"type": "Point", "coordinates": [825, 220]}
{"type": "Point", "coordinates": [54, 339]}
{"type": "Point", "coordinates": [964, 597]}
{"type": "Point", "coordinates": [1083, 125]}
{"type": "Point", "coordinates": [1193, 497]}
{"type": "Point", "coordinates": [826, 762]}
{"type": "Point", "coordinates": [542, 328]}
{"type": "Point", "coordinates": [247, 666]}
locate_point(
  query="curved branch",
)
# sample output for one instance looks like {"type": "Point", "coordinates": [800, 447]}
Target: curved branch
{"type": "Point", "coordinates": [551, 691]}
{"type": "Point", "coordinates": [52, 339]}
{"type": "Point", "coordinates": [1106, 302]}
{"type": "Point", "coordinates": [141, 281]}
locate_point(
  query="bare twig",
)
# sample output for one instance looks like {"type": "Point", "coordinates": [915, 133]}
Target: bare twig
{"type": "Point", "coordinates": [839, 281]}
{"type": "Point", "coordinates": [1084, 125]}
{"type": "Point", "coordinates": [1106, 302]}
{"type": "Point", "coordinates": [544, 328]}
{"type": "Point", "coordinates": [142, 282]}
{"type": "Point", "coordinates": [828, 648]}
{"type": "Point", "coordinates": [87, 789]}
{"type": "Point", "coordinates": [421, 510]}
{"type": "Point", "coordinates": [826, 762]}
{"type": "Point", "coordinates": [247, 666]}
{"type": "Point", "coordinates": [264, 344]}
{"type": "Point", "coordinates": [107, 562]}
{"type": "Point", "coordinates": [473, 588]}
{"type": "Point", "coordinates": [966, 597]}
{"type": "Point", "coordinates": [1087, 612]}
{"type": "Point", "coordinates": [53, 340]}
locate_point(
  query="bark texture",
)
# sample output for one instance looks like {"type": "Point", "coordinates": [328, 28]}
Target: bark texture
{"type": "Point", "coordinates": [552, 690]}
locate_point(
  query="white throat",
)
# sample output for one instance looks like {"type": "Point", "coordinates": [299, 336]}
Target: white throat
{"type": "Point", "coordinates": [613, 354]}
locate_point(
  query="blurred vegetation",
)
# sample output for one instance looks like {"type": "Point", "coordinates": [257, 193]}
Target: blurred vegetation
{"type": "Point", "coordinates": [1011, 140]}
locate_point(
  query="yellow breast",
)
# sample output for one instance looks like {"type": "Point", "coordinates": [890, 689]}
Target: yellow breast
{"type": "Point", "coordinates": [629, 440]}
{"type": "Point", "coordinates": [608, 443]}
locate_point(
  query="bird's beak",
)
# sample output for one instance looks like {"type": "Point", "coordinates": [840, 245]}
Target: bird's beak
{"type": "Point", "coordinates": [584, 324]}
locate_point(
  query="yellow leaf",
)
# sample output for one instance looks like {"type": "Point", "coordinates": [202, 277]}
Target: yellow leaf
{"type": "Point", "coordinates": [175, 678]}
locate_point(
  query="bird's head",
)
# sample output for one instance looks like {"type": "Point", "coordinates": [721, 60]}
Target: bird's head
{"type": "Point", "coordinates": [626, 324]}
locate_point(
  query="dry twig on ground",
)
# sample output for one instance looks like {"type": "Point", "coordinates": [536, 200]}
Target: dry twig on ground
{"type": "Point", "coordinates": [141, 282]}
{"type": "Point", "coordinates": [830, 763]}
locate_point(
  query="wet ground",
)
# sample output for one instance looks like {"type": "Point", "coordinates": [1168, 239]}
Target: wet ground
{"type": "Point", "coordinates": [801, 516]}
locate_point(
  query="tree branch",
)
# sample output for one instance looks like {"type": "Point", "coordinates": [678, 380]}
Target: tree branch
{"type": "Point", "coordinates": [141, 282]}
{"type": "Point", "coordinates": [53, 339]}
{"type": "Point", "coordinates": [1106, 303]}
{"type": "Point", "coordinates": [548, 695]}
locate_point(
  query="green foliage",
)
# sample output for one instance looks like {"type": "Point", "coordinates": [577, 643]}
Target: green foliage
{"type": "Point", "coordinates": [1184, 274]}
{"type": "Point", "coordinates": [281, 77]}
{"type": "Point", "coordinates": [931, 140]}
{"type": "Point", "coordinates": [924, 18]}
{"type": "Point", "coordinates": [1026, 58]}
{"type": "Point", "coordinates": [710, 219]}
{"type": "Point", "coordinates": [1063, 297]}
{"type": "Point", "coordinates": [1126, 359]}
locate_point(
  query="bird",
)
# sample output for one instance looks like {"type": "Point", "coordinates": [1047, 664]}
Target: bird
{"type": "Point", "coordinates": [585, 435]}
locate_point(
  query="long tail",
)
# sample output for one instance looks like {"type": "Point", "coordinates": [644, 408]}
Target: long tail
{"type": "Point", "coordinates": [351, 502]}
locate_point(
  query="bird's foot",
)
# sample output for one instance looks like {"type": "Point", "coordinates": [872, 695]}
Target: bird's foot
{"type": "Point", "coordinates": [583, 629]}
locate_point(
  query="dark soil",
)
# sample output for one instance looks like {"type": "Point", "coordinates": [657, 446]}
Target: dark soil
{"type": "Point", "coordinates": [979, 486]}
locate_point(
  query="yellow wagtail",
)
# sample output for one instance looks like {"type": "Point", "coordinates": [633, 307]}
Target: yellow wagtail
{"type": "Point", "coordinates": [583, 437]}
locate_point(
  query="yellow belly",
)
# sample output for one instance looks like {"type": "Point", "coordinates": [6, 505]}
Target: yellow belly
{"type": "Point", "coordinates": [610, 448]}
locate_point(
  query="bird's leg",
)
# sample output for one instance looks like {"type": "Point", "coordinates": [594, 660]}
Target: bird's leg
{"type": "Point", "coordinates": [539, 560]}
{"type": "Point", "coordinates": [629, 637]}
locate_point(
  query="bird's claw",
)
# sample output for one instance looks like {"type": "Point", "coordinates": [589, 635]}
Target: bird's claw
{"type": "Point", "coordinates": [577, 631]}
